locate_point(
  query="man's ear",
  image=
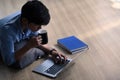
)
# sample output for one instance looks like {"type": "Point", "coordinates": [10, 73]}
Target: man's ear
{"type": "Point", "coordinates": [24, 21]}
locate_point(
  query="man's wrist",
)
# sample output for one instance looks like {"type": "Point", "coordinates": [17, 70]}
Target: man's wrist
{"type": "Point", "coordinates": [51, 51]}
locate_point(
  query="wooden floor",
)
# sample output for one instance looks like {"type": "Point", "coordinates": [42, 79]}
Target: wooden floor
{"type": "Point", "coordinates": [95, 22]}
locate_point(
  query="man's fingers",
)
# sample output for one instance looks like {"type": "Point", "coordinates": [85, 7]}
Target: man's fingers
{"type": "Point", "coordinates": [61, 58]}
{"type": "Point", "coordinates": [39, 39]}
{"type": "Point", "coordinates": [64, 57]}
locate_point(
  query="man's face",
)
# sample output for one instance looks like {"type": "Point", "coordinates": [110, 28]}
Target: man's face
{"type": "Point", "coordinates": [34, 27]}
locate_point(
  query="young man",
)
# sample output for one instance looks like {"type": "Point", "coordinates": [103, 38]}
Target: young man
{"type": "Point", "coordinates": [19, 43]}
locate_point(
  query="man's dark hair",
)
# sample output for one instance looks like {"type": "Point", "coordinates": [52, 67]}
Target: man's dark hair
{"type": "Point", "coordinates": [36, 12]}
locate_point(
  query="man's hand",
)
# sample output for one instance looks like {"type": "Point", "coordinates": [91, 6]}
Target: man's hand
{"type": "Point", "coordinates": [35, 41]}
{"type": "Point", "coordinates": [58, 57]}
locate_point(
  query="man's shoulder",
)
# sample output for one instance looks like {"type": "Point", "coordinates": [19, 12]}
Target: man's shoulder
{"type": "Point", "coordinates": [8, 18]}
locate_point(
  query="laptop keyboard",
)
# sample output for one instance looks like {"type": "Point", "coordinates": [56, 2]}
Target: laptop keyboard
{"type": "Point", "coordinates": [56, 67]}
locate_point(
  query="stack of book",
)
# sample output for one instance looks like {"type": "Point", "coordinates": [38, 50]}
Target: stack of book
{"type": "Point", "coordinates": [72, 44]}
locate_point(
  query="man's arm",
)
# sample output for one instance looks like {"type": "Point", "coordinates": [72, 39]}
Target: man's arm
{"type": "Point", "coordinates": [34, 42]}
{"type": "Point", "coordinates": [21, 52]}
{"type": "Point", "coordinates": [57, 56]}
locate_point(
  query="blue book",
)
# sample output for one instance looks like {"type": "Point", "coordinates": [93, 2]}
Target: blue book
{"type": "Point", "coordinates": [72, 44]}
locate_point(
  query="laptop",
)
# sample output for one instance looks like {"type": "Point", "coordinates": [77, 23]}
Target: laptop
{"type": "Point", "coordinates": [51, 69]}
